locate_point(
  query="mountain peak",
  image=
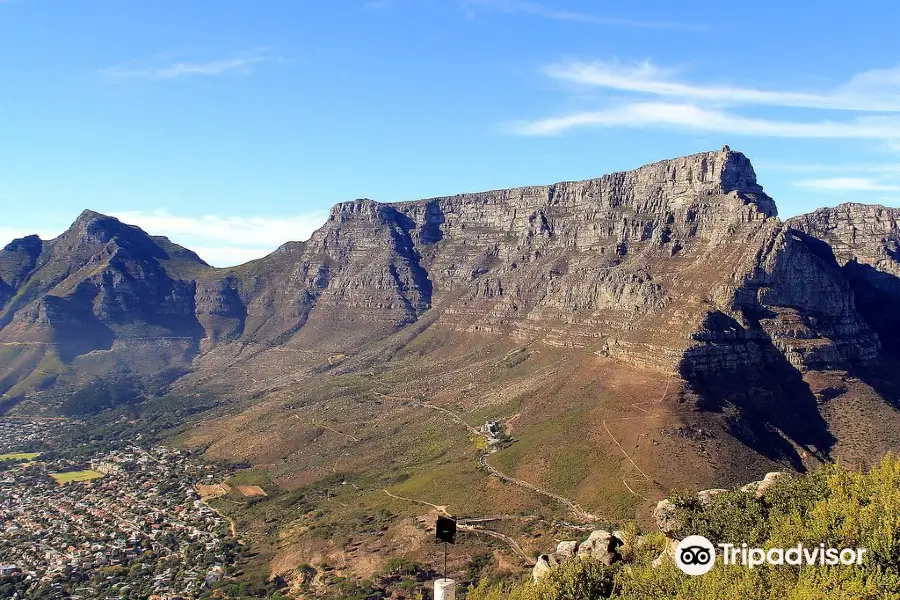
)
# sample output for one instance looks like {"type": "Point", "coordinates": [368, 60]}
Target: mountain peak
{"type": "Point", "coordinates": [96, 228]}
{"type": "Point", "coordinates": [738, 175]}
{"type": "Point", "coordinates": [30, 244]}
{"type": "Point", "coordinates": [724, 170]}
{"type": "Point", "coordinates": [89, 215]}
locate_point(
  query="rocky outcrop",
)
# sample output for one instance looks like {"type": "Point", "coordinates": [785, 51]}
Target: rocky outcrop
{"type": "Point", "coordinates": [706, 496]}
{"type": "Point", "coordinates": [666, 512]}
{"type": "Point", "coordinates": [862, 233]}
{"type": "Point", "coordinates": [666, 516]}
{"type": "Point", "coordinates": [759, 488]}
{"type": "Point", "coordinates": [600, 545]}
{"type": "Point", "coordinates": [566, 550]}
{"type": "Point", "coordinates": [544, 564]}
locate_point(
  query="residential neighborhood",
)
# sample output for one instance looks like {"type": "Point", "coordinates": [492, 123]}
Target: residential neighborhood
{"type": "Point", "coordinates": [126, 523]}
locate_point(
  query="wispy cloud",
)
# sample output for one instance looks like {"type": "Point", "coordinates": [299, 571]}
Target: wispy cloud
{"type": "Point", "coordinates": [536, 9]}
{"type": "Point", "coordinates": [847, 184]}
{"type": "Point", "coordinates": [874, 91]}
{"type": "Point", "coordinates": [697, 118]}
{"type": "Point", "coordinates": [226, 241]}
{"type": "Point", "coordinates": [154, 71]}
{"type": "Point", "coordinates": [650, 96]}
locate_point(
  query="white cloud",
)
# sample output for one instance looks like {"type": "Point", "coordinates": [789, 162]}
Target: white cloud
{"type": "Point", "coordinates": [698, 118]}
{"type": "Point", "coordinates": [535, 9]}
{"type": "Point", "coordinates": [226, 241]}
{"type": "Point", "coordinates": [874, 91]}
{"type": "Point", "coordinates": [178, 70]}
{"type": "Point", "coordinates": [846, 184]}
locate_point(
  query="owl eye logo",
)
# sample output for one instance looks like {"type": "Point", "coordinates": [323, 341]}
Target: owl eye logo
{"type": "Point", "coordinates": [695, 555]}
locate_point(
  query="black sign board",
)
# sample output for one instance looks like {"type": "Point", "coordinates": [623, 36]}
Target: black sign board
{"type": "Point", "coordinates": [445, 530]}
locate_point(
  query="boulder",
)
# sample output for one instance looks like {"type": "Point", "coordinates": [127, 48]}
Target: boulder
{"type": "Point", "coordinates": [666, 517]}
{"type": "Point", "coordinates": [705, 496]}
{"type": "Point", "coordinates": [601, 545]}
{"type": "Point", "coordinates": [542, 567]}
{"type": "Point", "coordinates": [762, 486]}
{"type": "Point", "coordinates": [767, 482]}
{"type": "Point", "coordinates": [566, 550]}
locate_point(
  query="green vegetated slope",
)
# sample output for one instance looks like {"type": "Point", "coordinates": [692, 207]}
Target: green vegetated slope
{"type": "Point", "coordinates": [834, 506]}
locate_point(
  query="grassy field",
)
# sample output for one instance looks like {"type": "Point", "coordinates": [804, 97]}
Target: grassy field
{"type": "Point", "coordinates": [20, 456]}
{"type": "Point", "coordinates": [63, 478]}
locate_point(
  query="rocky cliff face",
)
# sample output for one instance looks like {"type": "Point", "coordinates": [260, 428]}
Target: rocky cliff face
{"type": "Point", "coordinates": [864, 242]}
{"type": "Point", "coordinates": [576, 261]}
{"type": "Point", "coordinates": [681, 265]}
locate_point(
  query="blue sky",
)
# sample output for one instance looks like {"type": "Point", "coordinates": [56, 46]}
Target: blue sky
{"type": "Point", "coordinates": [232, 126]}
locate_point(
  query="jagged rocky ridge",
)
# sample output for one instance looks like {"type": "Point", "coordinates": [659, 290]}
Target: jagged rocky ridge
{"type": "Point", "coordinates": [681, 266]}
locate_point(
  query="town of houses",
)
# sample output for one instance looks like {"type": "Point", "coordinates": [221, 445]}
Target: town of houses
{"type": "Point", "coordinates": [137, 529]}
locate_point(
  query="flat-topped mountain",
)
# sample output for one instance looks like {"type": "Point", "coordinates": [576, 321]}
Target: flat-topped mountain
{"type": "Point", "coordinates": [646, 330]}
{"type": "Point", "coordinates": [680, 265]}
{"type": "Point", "coordinates": [662, 321]}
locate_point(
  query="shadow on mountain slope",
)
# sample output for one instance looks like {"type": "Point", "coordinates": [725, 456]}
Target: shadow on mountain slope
{"type": "Point", "coordinates": [766, 403]}
{"type": "Point", "coordinates": [873, 290]}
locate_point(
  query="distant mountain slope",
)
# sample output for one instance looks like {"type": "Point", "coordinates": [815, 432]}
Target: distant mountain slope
{"type": "Point", "coordinates": [100, 286]}
{"type": "Point", "coordinates": [638, 264]}
{"type": "Point", "coordinates": [681, 267]}
{"type": "Point", "coordinates": [646, 330]}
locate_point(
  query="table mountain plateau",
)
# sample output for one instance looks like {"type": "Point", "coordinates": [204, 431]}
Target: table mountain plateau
{"type": "Point", "coordinates": [661, 325]}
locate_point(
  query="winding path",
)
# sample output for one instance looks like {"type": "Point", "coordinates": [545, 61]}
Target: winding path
{"type": "Point", "coordinates": [470, 524]}
{"type": "Point", "coordinates": [647, 414]}
{"type": "Point", "coordinates": [500, 536]}
{"type": "Point", "coordinates": [440, 509]}
{"type": "Point", "coordinates": [573, 506]}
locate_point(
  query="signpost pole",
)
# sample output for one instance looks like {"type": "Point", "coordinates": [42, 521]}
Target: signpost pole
{"type": "Point", "coordinates": [445, 531]}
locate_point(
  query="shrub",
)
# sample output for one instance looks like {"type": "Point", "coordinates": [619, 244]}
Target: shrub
{"type": "Point", "coordinates": [835, 506]}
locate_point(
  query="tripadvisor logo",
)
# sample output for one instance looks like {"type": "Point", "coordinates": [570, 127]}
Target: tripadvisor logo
{"type": "Point", "coordinates": [696, 555]}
